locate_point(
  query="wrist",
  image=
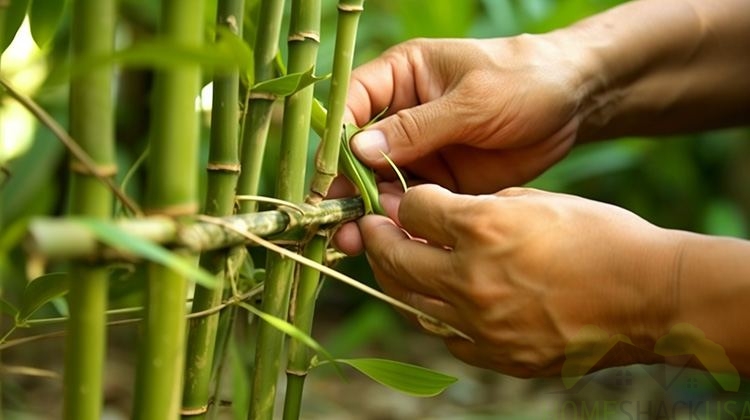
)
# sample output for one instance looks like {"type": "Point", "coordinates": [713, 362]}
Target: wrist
{"type": "Point", "coordinates": [661, 258]}
{"type": "Point", "coordinates": [654, 67]}
{"type": "Point", "coordinates": [711, 294]}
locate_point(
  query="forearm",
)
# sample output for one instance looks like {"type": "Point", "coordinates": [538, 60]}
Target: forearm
{"type": "Point", "coordinates": [663, 66]}
{"type": "Point", "coordinates": [712, 292]}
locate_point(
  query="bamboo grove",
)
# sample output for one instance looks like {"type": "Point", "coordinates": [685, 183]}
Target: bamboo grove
{"type": "Point", "coordinates": [196, 246]}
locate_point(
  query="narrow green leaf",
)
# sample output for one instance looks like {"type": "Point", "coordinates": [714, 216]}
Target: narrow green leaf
{"type": "Point", "coordinates": [359, 174]}
{"type": "Point", "coordinates": [228, 53]}
{"type": "Point", "coordinates": [7, 308]}
{"type": "Point", "coordinates": [44, 18]}
{"type": "Point", "coordinates": [125, 242]}
{"type": "Point", "coordinates": [289, 330]}
{"type": "Point", "coordinates": [402, 377]}
{"type": "Point", "coordinates": [396, 170]}
{"type": "Point", "coordinates": [40, 291]}
{"type": "Point", "coordinates": [288, 84]}
{"type": "Point", "coordinates": [13, 19]}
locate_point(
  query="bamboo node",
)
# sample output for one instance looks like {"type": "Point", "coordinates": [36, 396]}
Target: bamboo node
{"type": "Point", "coordinates": [314, 198]}
{"type": "Point", "coordinates": [231, 22]}
{"type": "Point", "coordinates": [300, 373]}
{"type": "Point", "coordinates": [262, 95]}
{"type": "Point", "coordinates": [103, 171]}
{"type": "Point", "coordinates": [176, 210]}
{"type": "Point", "coordinates": [223, 167]}
{"type": "Point", "coordinates": [304, 35]}
{"type": "Point", "coordinates": [197, 411]}
{"type": "Point", "coordinates": [350, 8]}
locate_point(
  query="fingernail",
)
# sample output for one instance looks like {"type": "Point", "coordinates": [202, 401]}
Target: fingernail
{"type": "Point", "coordinates": [369, 144]}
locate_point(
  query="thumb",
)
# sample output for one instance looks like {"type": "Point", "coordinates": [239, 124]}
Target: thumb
{"type": "Point", "coordinates": [409, 134]}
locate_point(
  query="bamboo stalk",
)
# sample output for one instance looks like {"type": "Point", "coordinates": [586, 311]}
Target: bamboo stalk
{"type": "Point", "coordinates": [304, 308]}
{"type": "Point", "coordinates": [304, 39]}
{"type": "Point", "coordinates": [92, 124]}
{"type": "Point", "coordinates": [326, 159]}
{"type": "Point", "coordinates": [258, 108]}
{"type": "Point", "coordinates": [223, 171]}
{"type": "Point", "coordinates": [326, 164]}
{"type": "Point", "coordinates": [172, 190]}
{"type": "Point", "coordinates": [62, 239]}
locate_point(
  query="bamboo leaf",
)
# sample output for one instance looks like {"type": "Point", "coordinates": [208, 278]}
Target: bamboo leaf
{"type": "Point", "coordinates": [359, 174]}
{"type": "Point", "coordinates": [125, 242]}
{"type": "Point", "coordinates": [40, 291]}
{"type": "Point", "coordinates": [288, 84]}
{"type": "Point", "coordinates": [289, 330]}
{"type": "Point", "coordinates": [402, 377]}
{"type": "Point", "coordinates": [44, 18]}
{"type": "Point", "coordinates": [228, 53]}
{"type": "Point", "coordinates": [396, 170]}
{"type": "Point", "coordinates": [13, 19]}
{"type": "Point", "coordinates": [7, 308]}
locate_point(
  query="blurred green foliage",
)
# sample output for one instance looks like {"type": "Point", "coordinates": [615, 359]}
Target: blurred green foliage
{"type": "Point", "coordinates": [693, 182]}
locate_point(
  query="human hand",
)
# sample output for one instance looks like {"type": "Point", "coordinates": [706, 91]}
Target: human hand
{"type": "Point", "coordinates": [522, 271]}
{"type": "Point", "coordinates": [472, 115]}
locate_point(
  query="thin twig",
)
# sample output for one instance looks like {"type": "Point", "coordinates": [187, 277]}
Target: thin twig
{"type": "Point", "coordinates": [29, 371]}
{"type": "Point", "coordinates": [70, 144]}
{"type": "Point", "coordinates": [231, 301]}
{"type": "Point", "coordinates": [270, 200]}
{"type": "Point", "coordinates": [421, 316]}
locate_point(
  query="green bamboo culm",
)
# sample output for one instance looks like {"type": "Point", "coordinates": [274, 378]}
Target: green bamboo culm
{"type": "Point", "coordinates": [172, 191]}
{"type": "Point", "coordinates": [353, 169]}
{"type": "Point", "coordinates": [304, 39]}
{"type": "Point", "coordinates": [92, 125]}
{"type": "Point", "coordinates": [326, 165]}
{"type": "Point", "coordinates": [257, 109]}
{"type": "Point", "coordinates": [223, 170]}
{"type": "Point", "coordinates": [300, 356]}
{"type": "Point", "coordinates": [326, 159]}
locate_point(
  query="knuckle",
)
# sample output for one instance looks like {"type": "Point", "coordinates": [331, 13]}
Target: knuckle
{"type": "Point", "coordinates": [413, 203]}
{"type": "Point", "coordinates": [516, 192]}
{"type": "Point", "coordinates": [407, 125]}
{"type": "Point", "coordinates": [478, 222]}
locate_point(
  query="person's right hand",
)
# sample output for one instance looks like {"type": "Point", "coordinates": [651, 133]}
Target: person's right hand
{"type": "Point", "coordinates": [474, 116]}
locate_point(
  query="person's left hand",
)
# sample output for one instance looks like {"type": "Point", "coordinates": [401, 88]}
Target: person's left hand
{"type": "Point", "coordinates": [522, 271]}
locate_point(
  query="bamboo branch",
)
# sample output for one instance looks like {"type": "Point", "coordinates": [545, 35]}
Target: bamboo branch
{"type": "Point", "coordinates": [427, 321]}
{"type": "Point", "coordinates": [104, 174]}
{"type": "Point", "coordinates": [61, 239]}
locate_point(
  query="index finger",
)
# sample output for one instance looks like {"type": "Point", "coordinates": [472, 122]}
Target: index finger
{"type": "Point", "coordinates": [385, 82]}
